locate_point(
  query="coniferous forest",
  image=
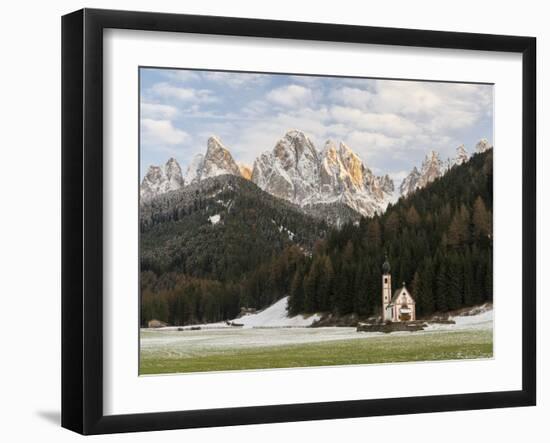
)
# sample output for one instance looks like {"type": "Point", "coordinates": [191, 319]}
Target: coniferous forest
{"type": "Point", "coordinates": [438, 241]}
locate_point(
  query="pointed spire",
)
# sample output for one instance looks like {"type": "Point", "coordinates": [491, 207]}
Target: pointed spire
{"type": "Point", "coordinates": [386, 266]}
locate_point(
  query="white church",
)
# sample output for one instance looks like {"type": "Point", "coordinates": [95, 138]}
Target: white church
{"type": "Point", "coordinates": [397, 307]}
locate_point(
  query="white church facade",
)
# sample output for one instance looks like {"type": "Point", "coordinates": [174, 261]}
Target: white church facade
{"type": "Point", "coordinates": [399, 306]}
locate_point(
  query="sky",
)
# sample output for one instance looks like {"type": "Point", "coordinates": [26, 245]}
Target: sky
{"type": "Point", "coordinates": [390, 124]}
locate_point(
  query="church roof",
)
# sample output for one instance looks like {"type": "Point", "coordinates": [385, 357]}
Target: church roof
{"type": "Point", "coordinates": [397, 292]}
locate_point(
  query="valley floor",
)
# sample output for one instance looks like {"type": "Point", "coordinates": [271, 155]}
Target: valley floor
{"type": "Point", "coordinates": [226, 349]}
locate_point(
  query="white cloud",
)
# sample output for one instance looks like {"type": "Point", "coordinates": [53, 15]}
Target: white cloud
{"type": "Point", "coordinates": [389, 124]}
{"type": "Point", "coordinates": [290, 96]}
{"type": "Point", "coordinates": [158, 132]}
{"type": "Point", "coordinates": [236, 79]}
{"type": "Point", "coordinates": [157, 111]}
{"type": "Point", "coordinates": [354, 97]}
{"type": "Point", "coordinates": [398, 176]}
{"type": "Point", "coordinates": [166, 90]}
{"type": "Point", "coordinates": [255, 108]}
{"type": "Point", "coordinates": [182, 75]}
{"type": "Point", "coordinates": [308, 80]}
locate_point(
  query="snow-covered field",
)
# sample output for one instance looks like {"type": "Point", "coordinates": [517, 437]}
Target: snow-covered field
{"type": "Point", "coordinates": [190, 343]}
{"type": "Point", "coordinates": [271, 327]}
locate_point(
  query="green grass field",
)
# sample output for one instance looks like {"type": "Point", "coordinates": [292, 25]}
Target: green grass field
{"type": "Point", "coordinates": [426, 346]}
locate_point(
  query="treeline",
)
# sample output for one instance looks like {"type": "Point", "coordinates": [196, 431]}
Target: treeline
{"type": "Point", "coordinates": [180, 300]}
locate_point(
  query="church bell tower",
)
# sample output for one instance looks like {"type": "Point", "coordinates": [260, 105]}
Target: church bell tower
{"type": "Point", "coordinates": [386, 289]}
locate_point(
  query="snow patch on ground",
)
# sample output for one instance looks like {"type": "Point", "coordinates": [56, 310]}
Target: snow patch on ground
{"type": "Point", "coordinates": [276, 316]}
{"type": "Point", "coordinates": [214, 219]}
{"type": "Point", "coordinates": [482, 320]}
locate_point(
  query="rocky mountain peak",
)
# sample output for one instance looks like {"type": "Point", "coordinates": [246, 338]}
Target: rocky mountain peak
{"type": "Point", "coordinates": [387, 184]}
{"type": "Point", "coordinates": [461, 153]}
{"type": "Point", "coordinates": [461, 156]}
{"type": "Point", "coordinates": [432, 168]}
{"type": "Point", "coordinates": [218, 160]}
{"type": "Point", "coordinates": [246, 170]}
{"type": "Point", "coordinates": [483, 145]}
{"type": "Point", "coordinates": [291, 170]}
{"type": "Point", "coordinates": [295, 150]}
{"type": "Point", "coordinates": [192, 175]}
{"type": "Point", "coordinates": [410, 182]}
{"type": "Point", "coordinates": [297, 172]}
{"type": "Point", "coordinates": [161, 179]}
{"type": "Point", "coordinates": [353, 165]}
{"type": "Point", "coordinates": [172, 170]}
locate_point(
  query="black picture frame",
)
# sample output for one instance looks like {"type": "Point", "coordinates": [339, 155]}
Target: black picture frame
{"type": "Point", "coordinates": [82, 218]}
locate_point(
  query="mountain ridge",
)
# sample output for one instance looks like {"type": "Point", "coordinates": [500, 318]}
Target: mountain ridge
{"type": "Point", "coordinates": [295, 171]}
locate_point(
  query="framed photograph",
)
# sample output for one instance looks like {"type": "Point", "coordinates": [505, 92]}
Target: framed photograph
{"type": "Point", "coordinates": [270, 221]}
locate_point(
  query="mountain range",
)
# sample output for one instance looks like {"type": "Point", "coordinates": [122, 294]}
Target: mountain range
{"type": "Point", "coordinates": [433, 167]}
{"type": "Point", "coordinates": [329, 179]}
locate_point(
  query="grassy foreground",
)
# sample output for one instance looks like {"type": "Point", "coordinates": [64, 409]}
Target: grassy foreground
{"type": "Point", "coordinates": [431, 346]}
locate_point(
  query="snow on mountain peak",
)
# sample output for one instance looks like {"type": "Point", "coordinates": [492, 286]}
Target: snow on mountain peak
{"type": "Point", "coordinates": [461, 155]}
{"type": "Point", "coordinates": [291, 170]}
{"type": "Point", "coordinates": [192, 174]}
{"type": "Point", "coordinates": [433, 168]}
{"type": "Point", "coordinates": [483, 145]}
{"type": "Point", "coordinates": [410, 182]}
{"type": "Point", "coordinates": [161, 179]}
{"type": "Point", "coordinates": [297, 172]}
{"type": "Point", "coordinates": [218, 160]}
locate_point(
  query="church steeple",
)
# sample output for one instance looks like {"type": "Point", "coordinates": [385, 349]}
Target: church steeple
{"type": "Point", "coordinates": [386, 289]}
{"type": "Point", "coordinates": [386, 266]}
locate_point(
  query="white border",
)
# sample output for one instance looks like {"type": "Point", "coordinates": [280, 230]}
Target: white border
{"type": "Point", "coordinates": [125, 392]}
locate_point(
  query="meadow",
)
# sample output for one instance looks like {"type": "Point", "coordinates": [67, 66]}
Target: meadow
{"type": "Point", "coordinates": [171, 351]}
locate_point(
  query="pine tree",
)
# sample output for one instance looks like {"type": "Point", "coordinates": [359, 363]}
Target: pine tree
{"type": "Point", "coordinates": [391, 226]}
{"type": "Point", "coordinates": [417, 293]}
{"type": "Point", "coordinates": [442, 287]}
{"type": "Point", "coordinates": [468, 296]}
{"type": "Point", "coordinates": [412, 217]}
{"type": "Point", "coordinates": [454, 282]}
{"type": "Point", "coordinates": [458, 233]}
{"type": "Point", "coordinates": [310, 290]}
{"type": "Point", "coordinates": [427, 281]}
{"type": "Point", "coordinates": [481, 219]}
{"type": "Point", "coordinates": [296, 299]}
{"type": "Point", "coordinates": [374, 234]}
{"type": "Point", "coordinates": [325, 277]}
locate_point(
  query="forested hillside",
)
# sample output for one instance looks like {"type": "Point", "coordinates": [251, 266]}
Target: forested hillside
{"type": "Point", "coordinates": [202, 246]}
{"type": "Point", "coordinates": [438, 241]}
{"type": "Point", "coordinates": [208, 250]}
